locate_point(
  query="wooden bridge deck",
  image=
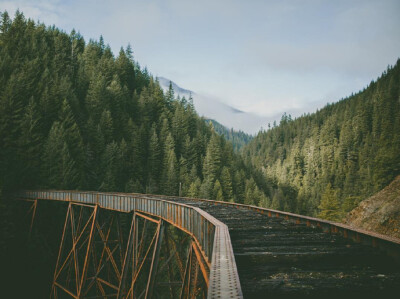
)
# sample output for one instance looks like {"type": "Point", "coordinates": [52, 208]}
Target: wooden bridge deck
{"type": "Point", "coordinates": [277, 258]}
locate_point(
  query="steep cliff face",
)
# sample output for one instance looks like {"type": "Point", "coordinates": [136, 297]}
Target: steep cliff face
{"type": "Point", "coordinates": [379, 213]}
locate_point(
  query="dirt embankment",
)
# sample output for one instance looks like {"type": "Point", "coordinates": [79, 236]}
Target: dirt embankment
{"type": "Point", "coordinates": [379, 213]}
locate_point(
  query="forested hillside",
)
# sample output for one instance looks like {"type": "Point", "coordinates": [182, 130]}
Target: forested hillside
{"type": "Point", "coordinates": [379, 213]}
{"type": "Point", "coordinates": [74, 116]}
{"type": "Point", "coordinates": [238, 138]}
{"type": "Point", "coordinates": [330, 160]}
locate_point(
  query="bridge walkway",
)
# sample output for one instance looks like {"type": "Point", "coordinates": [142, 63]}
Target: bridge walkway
{"type": "Point", "coordinates": [277, 258]}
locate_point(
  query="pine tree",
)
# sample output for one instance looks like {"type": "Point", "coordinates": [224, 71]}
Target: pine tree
{"type": "Point", "coordinates": [96, 96]}
{"type": "Point", "coordinates": [125, 67]}
{"type": "Point", "coordinates": [30, 145]}
{"type": "Point", "coordinates": [170, 96]}
{"type": "Point", "coordinates": [5, 23]}
{"type": "Point", "coordinates": [170, 169]}
{"type": "Point", "coordinates": [194, 189]}
{"type": "Point", "coordinates": [154, 161]}
{"type": "Point", "coordinates": [52, 156]}
{"type": "Point", "coordinates": [111, 164]}
{"type": "Point", "coordinates": [226, 183]}
{"type": "Point", "coordinates": [73, 139]}
{"type": "Point", "coordinates": [217, 191]}
{"type": "Point", "coordinates": [58, 165]}
{"type": "Point", "coordinates": [193, 175]}
{"type": "Point", "coordinates": [11, 111]}
{"type": "Point", "coordinates": [239, 186]}
{"type": "Point", "coordinates": [206, 189]}
{"type": "Point", "coordinates": [250, 192]}
{"type": "Point", "coordinates": [184, 181]}
{"type": "Point", "coordinates": [277, 200]}
{"type": "Point", "coordinates": [179, 128]}
{"type": "Point", "coordinates": [106, 126]}
{"type": "Point", "coordinates": [329, 206]}
{"type": "Point", "coordinates": [135, 156]}
{"type": "Point", "coordinates": [90, 179]}
{"type": "Point", "coordinates": [264, 201]}
{"type": "Point", "coordinates": [69, 174]}
{"type": "Point", "coordinates": [212, 160]}
{"type": "Point", "coordinates": [123, 174]}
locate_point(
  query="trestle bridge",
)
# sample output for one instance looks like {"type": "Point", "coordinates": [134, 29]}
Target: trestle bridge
{"type": "Point", "coordinates": [174, 247]}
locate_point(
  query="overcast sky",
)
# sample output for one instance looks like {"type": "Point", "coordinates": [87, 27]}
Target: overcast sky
{"type": "Point", "coordinates": [265, 57]}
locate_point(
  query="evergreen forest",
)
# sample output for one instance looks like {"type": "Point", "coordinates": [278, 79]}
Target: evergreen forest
{"type": "Point", "coordinates": [238, 138]}
{"type": "Point", "coordinates": [323, 164]}
{"type": "Point", "coordinates": [75, 116]}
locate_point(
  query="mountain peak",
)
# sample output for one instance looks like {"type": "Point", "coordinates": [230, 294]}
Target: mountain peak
{"type": "Point", "coordinates": [164, 83]}
{"type": "Point", "coordinates": [213, 108]}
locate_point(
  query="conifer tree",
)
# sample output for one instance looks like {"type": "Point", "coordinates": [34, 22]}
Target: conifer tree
{"type": "Point", "coordinates": [135, 156]}
{"type": "Point", "coordinates": [126, 68]}
{"type": "Point", "coordinates": [329, 206]}
{"type": "Point", "coordinates": [73, 139]}
{"type": "Point", "coordinates": [111, 167]}
{"type": "Point", "coordinates": [30, 145]}
{"type": "Point", "coordinates": [226, 183]}
{"type": "Point", "coordinates": [193, 175]}
{"type": "Point", "coordinates": [69, 174]}
{"type": "Point", "coordinates": [179, 128]}
{"type": "Point", "coordinates": [184, 180]}
{"type": "Point", "coordinates": [217, 191]}
{"type": "Point", "coordinates": [11, 111]}
{"type": "Point", "coordinates": [250, 192]}
{"type": "Point", "coordinates": [239, 186]}
{"type": "Point", "coordinates": [170, 96]}
{"type": "Point", "coordinates": [52, 155]}
{"type": "Point", "coordinates": [154, 161]}
{"type": "Point", "coordinates": [170, 169]}
{"type": "Point", "coordinates": [212, 160]}
{"type": "Point", "coordinates": [5, 23]}
{"type": "Point", "coordinates": [106, 126]}
{"type": "Point", "coordinates": [194, 189]}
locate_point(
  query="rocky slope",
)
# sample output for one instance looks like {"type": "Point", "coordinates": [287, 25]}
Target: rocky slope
{"type": "Point", "coordinates": [379, 213]}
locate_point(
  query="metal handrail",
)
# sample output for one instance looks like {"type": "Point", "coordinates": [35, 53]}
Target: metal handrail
{"type": "Point", "coordinates": [210, 234]}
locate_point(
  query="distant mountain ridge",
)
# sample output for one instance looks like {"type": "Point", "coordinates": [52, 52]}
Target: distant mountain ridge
{"type": "Point", "coordinates": [164, 82]}
{"type": "Point", "coordinates": [213, 108]}
{"type": "Point", "coordinates": [238, 138]}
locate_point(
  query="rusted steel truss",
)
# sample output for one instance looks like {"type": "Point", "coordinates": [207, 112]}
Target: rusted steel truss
{"type": "Point", "coordinates": [155, 258]}
{"type": "Point", "coordinates": [102, 255]}
{"type": "Point", "coordinates": [31, 213]}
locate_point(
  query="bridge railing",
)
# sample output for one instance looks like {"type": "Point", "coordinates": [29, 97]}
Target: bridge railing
{"type": "Point", "coordinates": [210, 234]}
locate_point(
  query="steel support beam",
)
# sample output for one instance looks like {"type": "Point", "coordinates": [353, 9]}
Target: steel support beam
{"type": "Point", "coordinates": [154, 261]}
{"type": "Point", "coordinates": [127, 258]}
